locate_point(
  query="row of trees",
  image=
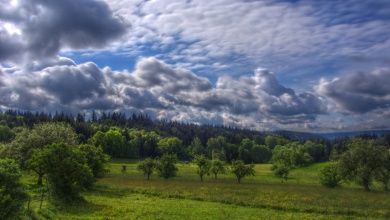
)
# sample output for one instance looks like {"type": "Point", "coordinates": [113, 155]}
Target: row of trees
{"type": "Point", "coordinates": [166, 167]}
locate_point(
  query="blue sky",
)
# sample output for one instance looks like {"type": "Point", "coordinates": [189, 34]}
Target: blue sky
{"type": "Point", "coordinates": [272, 64]}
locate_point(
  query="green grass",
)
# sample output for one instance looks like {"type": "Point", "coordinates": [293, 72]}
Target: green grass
{"type": "Point", "coordinates": [129, 196]}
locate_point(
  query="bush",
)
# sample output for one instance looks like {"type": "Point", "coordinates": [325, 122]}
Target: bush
{"type": "Point", "coordinates": [330, 176]}
{"type": "Point", "coordinates": [282, 171]}
{"type": "Point", "coordinates": [12, 194]}
{"type": "Point", "coordinates": [166, 166]}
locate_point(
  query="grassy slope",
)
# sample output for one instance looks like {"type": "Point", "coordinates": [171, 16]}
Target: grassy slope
{"type": "Point", "coordinates": [128, 195]}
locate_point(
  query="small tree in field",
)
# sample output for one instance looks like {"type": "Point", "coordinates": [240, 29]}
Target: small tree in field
{"type": "Point", "coordinates": [12, 195]}
{"type": "Point", "coordinates": [203, 166]}
{"type": "Point", "coordinates": [166, 166]}
{"type": "Point", "coordinates": [217, 167]}
{"type": "Point", "coordinates": [330, 176]}
{"type": "Point", "coordinates": [240, 170]}
{"type": "Point", "coordinates": [361, 162]}
{"type": "Point", "coordinates": [147, 167]}
{"type": "Point", "coordinates": [282, 171]}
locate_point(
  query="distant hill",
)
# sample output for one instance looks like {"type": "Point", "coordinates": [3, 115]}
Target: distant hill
{"type": "Point", "coordinates": [330, 135]}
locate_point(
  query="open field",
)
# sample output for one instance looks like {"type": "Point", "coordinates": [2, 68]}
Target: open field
{"type": "Point", "coordinates": [129, 196]}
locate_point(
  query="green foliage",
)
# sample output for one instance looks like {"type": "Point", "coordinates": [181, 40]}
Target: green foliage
{"type": "Point", "coordinates": [67, 171]}
{"type": "Point", "coordinates": [203, 166]}
{"type": "Point", "coordinates": [166, 166]}
{"type": "Point", "coordinates": [39, 136]}
{"type": "Point", "coordinates": [196, 148]}
{"type": "Point", "coordinates": [171, 145]}
{"type": "Point", "coordinates": [282, 171]}
{"type": "Point", "coordinates": [144, 143]}
{"type": "Point", "coordinates": [216, 147]}
{"type": "Point", "coordinates": [112, 142]}
{"type": "Point", "coordinates": [245, 150]}
{"type": "Point", "coordinates": [361, 162]}
{"type": "Point", "coordinates": [260, 154]}
{"type": "Point", "coordinates": [147, 166]}
{"type": "Point", "coordinates": [12, 194]}
{"type": "Point", "coordinates": [6, 134]}
{"type": "Point", "coordinates": [35, 164]}
{"type": "Point", "coordinates": [240, 170]}
{"type": "Point", "coordinates": [330, 175]}
{"type": "Point", "coordinates": [217, 167]}
{"type": "Point", "coordinates": [96, 159]}
{"type": "Point", "coordinates": [383, 174]}
{"type": "Point", "coordinates": [291, 155]}
{"type": "Point", "coordinates": [315, 150]}
{"type": "Point", "coordinates": [270, 141]}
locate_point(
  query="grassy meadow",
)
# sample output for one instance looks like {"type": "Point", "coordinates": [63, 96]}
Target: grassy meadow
{"type": "Point", "coordinates": [127, 195]}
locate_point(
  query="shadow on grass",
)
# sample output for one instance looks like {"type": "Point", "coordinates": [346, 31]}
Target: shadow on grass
{"type": "Point", "coordinates": [78, 207]}
{"type": "Point", "coordinates": [108, 191]}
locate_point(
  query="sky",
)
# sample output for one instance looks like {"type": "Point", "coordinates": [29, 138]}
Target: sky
{"type": "Point", "coordinates": [267, 65]}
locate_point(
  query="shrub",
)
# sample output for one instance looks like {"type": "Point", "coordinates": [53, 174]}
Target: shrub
{"type": "Point", "coordinates": [282, 171]}
{"type": "Point", "coordinates": [166, 166]}
{"type": "Point", "coordinates": [330, 176]}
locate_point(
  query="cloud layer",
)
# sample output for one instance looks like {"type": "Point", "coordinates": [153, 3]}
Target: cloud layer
{"type": "Point", "coordinates": [158, 88]}
{"type": "Point", "coordinates": [198, 61]}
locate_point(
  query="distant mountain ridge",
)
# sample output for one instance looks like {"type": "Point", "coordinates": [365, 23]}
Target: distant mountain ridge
{"type": "Point", "coordinates": [330, 135]}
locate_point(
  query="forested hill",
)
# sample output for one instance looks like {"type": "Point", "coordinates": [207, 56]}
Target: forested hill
{"type": "Point", "coordinates": [185, 131]}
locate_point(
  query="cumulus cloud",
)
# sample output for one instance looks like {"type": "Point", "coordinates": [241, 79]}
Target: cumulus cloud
{"type": "Point", "coordinates": [43, 28]}
{"type": "Point", "coordinates": [360, 92]}
{"type": "Point", "coordinates": [155, 86]}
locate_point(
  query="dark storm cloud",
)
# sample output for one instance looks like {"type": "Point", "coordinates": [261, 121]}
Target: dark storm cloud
{"type": "Point", "coordinates": [359, 92]}
{"type": "Point", "coordinates": [47, 26]}
{"type": "Point", "coordinates": [9, 47]}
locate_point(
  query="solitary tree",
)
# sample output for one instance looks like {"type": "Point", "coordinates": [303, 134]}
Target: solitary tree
{"type": "Point", "coordinates": [203, 166]}
{"type": "Point", "coordinates": [217, 167]}
{"type": "Point", "coordinates": [147, 167]}
{"type": "Point", "coordinates": [361, 162]}
{"type": "Point", "coordinates": [166, 166]}
{"type": "Point", "coordinates": [12, 194]}
{"type": "Point", "coordinates": [241, 170]}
